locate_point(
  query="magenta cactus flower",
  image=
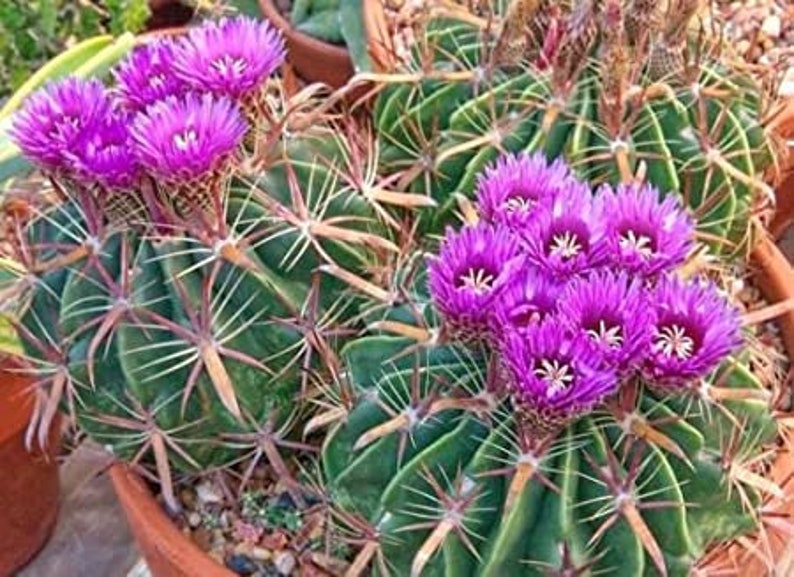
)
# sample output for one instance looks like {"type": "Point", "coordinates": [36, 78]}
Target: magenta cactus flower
{"type": "Point", "coordinates": [554, 376]}
{"type": "Point", "coordinates": [694, 330]}
{"type": "Point", "coordinates": [54, 118]}
{"type": "Point", "coordinates": [567, 239]}
{"type": "Point", "coordinates": [146, 76]}
{"type": "Point", "coordinates": [529, 298]}
{"type": "Point", "coordinates": [470, 273]}
{"type": "Point", "coordinates": [645, 234]}
{"type": "Point", "coordinates": [187, 138]}
{"type": "Point", "coordinates": [231, 57]}
{"type": "Point", "coordinates": [613, 313]}
{"type": "Point", "coordinates": [104, 154]}
{"type": "Point", "coordinates": [512, 190]}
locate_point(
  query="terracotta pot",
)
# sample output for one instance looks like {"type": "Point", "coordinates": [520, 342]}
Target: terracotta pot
{"type": "Point", "coordinates": [169, 553]}
{"type": "Point", "coordinates": [775, 280]}
{"type": "Point", "coordinates": [783, 126]}
{"type": "Point", "coordinates": [312, 60]}
{"type": "Point", "coordinates": [168, 13]}
{"type": "Point", "coordinates": [28, 480]}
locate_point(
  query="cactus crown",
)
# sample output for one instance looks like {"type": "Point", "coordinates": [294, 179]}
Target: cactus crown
{"type": "Point", "coordinates": [179, 280]}
{"type": "Point", "coordinates": [621, 90]}
{"type": "Point", "coordinates": [545, 400]}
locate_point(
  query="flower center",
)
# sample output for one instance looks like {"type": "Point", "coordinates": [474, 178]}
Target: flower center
{"type": "Point", "coordinates": [183, 140]}
{"type": "Point", "coordinates": [157, 80]}
{"type": "Point", "coordinates": [673, 341]}
{"type": "Point", "coordinates": [557, 375]}
{"type": "Point", "coordinates": [229, 66]}
{"type": "Point", "coordinates": [565, 245]}
{"type": "Point", "coordinates": [477, 279]}
{"type": "Point", "coordinates": [603, 334]}
{"type": "Point", "coordinates": [640, 243]}
{"type": "Point", "coordinates": [518, 204]}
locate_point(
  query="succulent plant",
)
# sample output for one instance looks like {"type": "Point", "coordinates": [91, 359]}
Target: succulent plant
{"type": "Point", "coordinates": [619, 89]}
{"type": "Point", "coordinates": [511, 416]}
{"type": "Point", "coordinates": [180, 283]}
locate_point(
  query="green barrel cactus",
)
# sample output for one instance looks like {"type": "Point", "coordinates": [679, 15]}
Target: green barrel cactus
{"type": "Point", "coordinates": [620, 90]}
{"type": "Point", "coordinates": [182, 284]}
{"type": "Point", "coordinates": [431, 467]}
{"type": "Point", "coordinates": [188, 350]}
{"type": "Point", "coordinates": [562, 412]}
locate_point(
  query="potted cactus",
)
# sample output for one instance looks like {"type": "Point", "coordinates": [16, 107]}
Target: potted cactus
{"type": "Point", "coordinates": [620, 89]}
{"type": "Point", "coordinates": [481, 435]}
{"type": "Point", "coordinates": [172, 300]}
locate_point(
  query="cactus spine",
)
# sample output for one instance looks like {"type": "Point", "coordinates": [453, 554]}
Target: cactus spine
{"type": "Point", "coordinates": [617, 88]}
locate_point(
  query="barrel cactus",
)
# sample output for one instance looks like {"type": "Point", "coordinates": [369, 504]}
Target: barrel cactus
{"type": "Point", "coordinates": [624, 90]}
{"type": "Point", "coordinates": [585, 405]}
{"type": "Point", "coordinates": [174, 288]}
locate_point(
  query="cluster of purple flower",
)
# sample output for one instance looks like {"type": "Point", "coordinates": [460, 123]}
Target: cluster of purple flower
{"type": "Point", "coordinates": [577, 291]}
{"type": "Point", "coordinates": [174, 113]}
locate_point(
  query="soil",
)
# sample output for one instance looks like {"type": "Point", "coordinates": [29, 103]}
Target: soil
{"type": "Point", "coordinates": [768, 357]}
{"type": "Point", "coordinates": [262, 529]}
{"type": "Point", "coordinates": [762, 33]}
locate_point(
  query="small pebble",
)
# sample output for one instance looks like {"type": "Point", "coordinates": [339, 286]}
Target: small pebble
{"type": "Point", "coordinates": [772, 26]}
{"type": "Point", "coordinates": [241, 565]}
{"type": "Point", "coordinates": [207, 493]}
{"type": "Point", "coordinates": [261, 554]}
{"type": "Point", "coordinates": [285, 562]}
{"type": "Point", "coordinates": [194, 519]}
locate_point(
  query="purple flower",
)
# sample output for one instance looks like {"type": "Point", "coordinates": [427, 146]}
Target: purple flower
{"type": "Point", "coordinates": [566, 239]}
{"type": "Point", "coordinates": [612, 312]}
{"type": "Point", "coordinates": [231, 57]}
{"type": "Point", "coordinates": [553, 375]}
{"type": "Point", "coordinates": [472, 269]}
{"type": "Point", "coordinates": [528, 299]}
{"type": "Point", "coordinates": [105, 154]}
{"type": "Point", "coordinates": [183, 139]}
{"type": "Point", "coordinates": [146, 76]}
{"type": "Point", "coordinates": [54, 118]}
{"type": "Point", "coordinates": [644, 233]}
{"type": "Point", "coordinates": [517, 186]}
{"type": "Point", "coordinates": [695, 329]}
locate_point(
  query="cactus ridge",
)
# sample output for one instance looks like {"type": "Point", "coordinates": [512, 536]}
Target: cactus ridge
{"type": "Point", "coordinates": [696, 131]}
{"type": "Point", "coordinates": [430, 459]}
{"type": "Point", "coordinates": [183, 346]}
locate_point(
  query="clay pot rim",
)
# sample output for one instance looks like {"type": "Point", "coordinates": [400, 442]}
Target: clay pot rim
{"type": "Point", "coordinates": [18, 420]}
{"type": "Point", "coordinates": [147, 518]}
{"type": "Point", "coordinates": [141, 507]}
{"type": "Point", "coordinates": [310, 44]}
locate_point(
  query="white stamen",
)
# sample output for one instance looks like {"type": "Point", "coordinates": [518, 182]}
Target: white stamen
{"type": "Point", "coordinates": [518, 204]}
{"type": "Point", "coordinates": [556, 374]}
{"type": "Point", "coordinates": [610, 336]}
{"type": "Point", "coordinates": [478, 280]}
{"type": "Point", "coordinates": [229, 66]}
{"type": "Point", "coordinates": [639, 243]}
{"type": "Point", "coordinates": [565, 245]}
{"type": "Point", "coordinates": [184, 140]}
{"type": "Point", "coordinates": [672, 340]}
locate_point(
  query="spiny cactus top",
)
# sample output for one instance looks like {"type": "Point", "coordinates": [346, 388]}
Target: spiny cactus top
{"type": "Point", "coordinates": [174, 299]}
{"type": "Point", "coordinates": [620, 90]}
{"type": "Point", "coordinates": [517, 415]}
